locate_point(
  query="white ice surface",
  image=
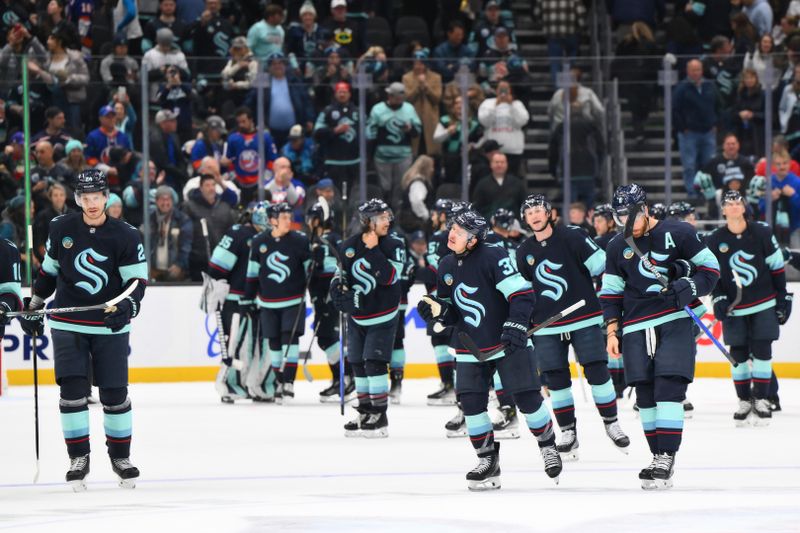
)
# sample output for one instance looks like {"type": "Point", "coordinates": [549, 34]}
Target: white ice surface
{"type": "Point", "coordinates": [212, 467]}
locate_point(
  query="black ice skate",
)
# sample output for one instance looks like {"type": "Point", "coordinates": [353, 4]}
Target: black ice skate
{"type": "Point", "coordinates": [331, 393]}
{"type": "Point", "coordinates": [353, 428]}
{"type": "Point", "coordinates": [688, 408]}
{"type": "Point", "coordinates": [763, 415]}
{"type": "Point", "coordinates": [569, 444]}
{"type": "Point", "coordinates": [617, 436]}
{"type": "Point", "coordinates": [646, 475]}
{"type": "Point", "coordinates": [376, 426]}
{"type": "Point", "coordinates": [288, 393]}
{"type": "Point", "coordinates": [774, 404]}
{"type": "Point", "coordinates": [78, 470]}
{"type": "Point", "coordinates": [126, 472]}
{"type": "Point", "coordinates": [486, 475]}
{"type": "Point", "coordinates": [456, 426]}
{"type": "Point", "coordinates": [507, 427]}
{"type": "Point", "coordinates": [663, 470]}
{"type": "Point", "coordinates": [742, 414]}
{"type": "Point", "coordinates": [349, 389]}
{"type": "Point", "coordinates": [446, 395]}
{"type": "Point", "coordinates": [552, 462]}
{"type": "Point", "coordinates": [279, 393]}
{"type": "Point", "coordinates": [396, 390]}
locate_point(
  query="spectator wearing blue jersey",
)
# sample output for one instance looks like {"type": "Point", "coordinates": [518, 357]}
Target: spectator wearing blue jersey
{"type": "Point", "coordinates": [211, 142]}
{"type": "Point", "coordinates": [101, 140]}
{"type": "Point", "coordinates": [299, 150]}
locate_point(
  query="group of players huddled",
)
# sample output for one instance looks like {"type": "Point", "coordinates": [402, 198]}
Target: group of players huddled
{"type": "Point", "coordinates": [491, 286]}
{"type": "Point", "coordinates": [501, 315]}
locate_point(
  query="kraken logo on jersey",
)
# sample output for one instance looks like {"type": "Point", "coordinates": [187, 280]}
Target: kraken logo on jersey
{"type": "Point", "coordinates": [279, 271]}
{"type": "Point", "coordinates": [473, 311]}
{"type": "Point", "coordinates": [655, 257]}
{"type": "Point", "coordinates": [365, 281]}
{"type": "Point", "coordinates": [747, 273]}
{"type": "Point", "coordinates": [85, 265]}
{"type": "Point", "coordinates": [545, 276]}
{"type": "Point", "coordinates": [395, 128]}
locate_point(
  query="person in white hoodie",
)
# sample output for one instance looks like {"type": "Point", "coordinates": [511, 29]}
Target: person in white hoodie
{"type": "Point", "coordinates": [503, 118]}
{"type": "Point", "coordinates": [157, 59]}
{"type": "Point", "coordinates": [584, 99]}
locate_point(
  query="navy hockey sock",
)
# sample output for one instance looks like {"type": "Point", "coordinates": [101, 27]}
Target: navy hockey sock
{"type": "Point", "coordinates": [74, 409]}
{"type": "Point", "coordinates": [117, 421]}
{"type": "Point", "coordinates": [362, 386]}
{"type": "Point", "coordinates": [290, 367]}
{"type": "Point", "coordinates": [445, 363]}
{"type": "Point", "coordinates": [378, 383]}
{"type": "Point", "coordinates": [617, 370]}
{"type": "Point", "coordinates": [762, 377]}
{"type": "Point", "coordinates": [647, 414]}
{"type": "Point", "coordinates": [670, 391]}
{"type": "Point", "coordinates": [605, 397]}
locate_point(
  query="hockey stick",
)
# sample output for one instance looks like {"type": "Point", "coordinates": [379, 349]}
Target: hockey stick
{"type": "Point", "coordinates": [473, 348]}
{"type": "Point", "coordinates": [737, 299]}
{"type": "Point", "coordinates": [629, 240]}
{"type": "Point", "coordinates": [307, 355]}
{"type": "Point", "coordinates": [35, 357]}
{"type": "Point", "coordinates": [109, 306]}
{"type": "Point", "coordinates": [300, 310]}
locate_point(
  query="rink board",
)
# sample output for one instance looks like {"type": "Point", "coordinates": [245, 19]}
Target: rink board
{"type": "Point", "coordinates": [188, 349]}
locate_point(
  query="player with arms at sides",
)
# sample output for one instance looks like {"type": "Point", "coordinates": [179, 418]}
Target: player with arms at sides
{"type": "Point", "coordinates": [227, 275]}
{"type": "Point", "coordinates": [560, 262]}
{"type": "Point", "coordinates": [368, 290]}
{"type": "Point", "coordinates": [276, 283]}
{"type": "Point", "coordinates": [750, 327]}
{"type": "Point", "coordinates": [481, 294]}
{"type": "Point", "coordinates": [647, 322]}
{"type": "Point", "coordinates": [91, 258]}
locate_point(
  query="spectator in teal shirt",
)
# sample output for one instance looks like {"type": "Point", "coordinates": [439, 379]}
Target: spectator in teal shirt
{"type": "Point", "coordinates": [266, 36]}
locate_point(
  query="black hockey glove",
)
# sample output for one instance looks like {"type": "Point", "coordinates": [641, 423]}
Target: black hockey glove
{"type": "Point", "coordinates": [721, 307]}
{"type": "Point", "coordinates": [515, 335]}
{"type": "Point", "coordinates": [431, 308]}
{"type": "Point", "coordinates": [680, 293]}
{"type": "Point", "coordinates": [783, 307]}
{"type": "Point", "coordinates": [681, 268]}
{"type": "Point", "coordinates": [120, 315]}
{"type": "Point", "coordinates": [4, 320]}
{"type": "Point", "coordinates": [344, 301]}
{"type": "Point", "coordinates": [32, 324]}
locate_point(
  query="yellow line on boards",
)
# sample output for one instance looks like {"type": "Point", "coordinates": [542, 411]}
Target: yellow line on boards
{"type": "Point", "coordinates": [322, 372]}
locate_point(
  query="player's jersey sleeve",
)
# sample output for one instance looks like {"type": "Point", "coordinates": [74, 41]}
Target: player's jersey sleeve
{"type": "Point", "coordinates": [693, 249]}
{"type": "Point", "coordinates": [224, 257]}
{"type": "Point", "coordinates": [589, 253]}
{"type": "Point", "coordinates": [612, 291]}
{"type": "Point", "coordinates": [132, 266]}
{"type": "Point", "coordinates": [10, 277]}
{"type": "Point", "coordinates": [774, 259]}
{"type": "Point", "coordinates": [517, 290]}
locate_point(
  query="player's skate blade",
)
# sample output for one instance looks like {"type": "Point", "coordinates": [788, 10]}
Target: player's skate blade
{"type": "Point", "coordinates": [352, 429]}
{"type": "Point", "coordinates": [457, 426]}
{"type": "Point", "coordinates": [376, 426]}
{"type": "Point", "coordinates": [618, 437]}
{"type": "Point", "coordinates": [646, 475]}
{"type": "Point", "coordinates": [742, 415]}
{"type": "Point", "coordinates": [552, 463]}
{"type": "Point", "coordinates": [507, 426]}
{"type": "Point", "coordinates": [446, 395]}
{"type": "Point", "coordinates": [126, 472]}
{"type": "Point", "coordinates": [568, 447]}
{"type": "Point", "coordinates": [663, 470]}
{"type": "Point", "coordinates": [486, 475]}
{"type": "Point", "coordinates": [78, 470]}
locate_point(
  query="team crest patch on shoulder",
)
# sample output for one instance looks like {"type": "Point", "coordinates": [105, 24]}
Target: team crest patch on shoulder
{"type": "Point", "coordinates": [627, 253]}
{"type": "Point", "coordinates": [67, 242]}
{"type": "Point", "coordinates": [723, 247]}
{"type": "Point", "coordinates": [262, 248]}
{"type": "Point", "coordinates": [350, 252]}
{"type": "Point", "coordinates": [448, 279]}
{"type": "Point", "coordinates": [530, 259]}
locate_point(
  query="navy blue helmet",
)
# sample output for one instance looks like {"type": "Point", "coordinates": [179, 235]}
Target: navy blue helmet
{"type": "Point", "coordinates": [473, 223]}
{"type": "Point", "coordinates": [680, 210]}
{"type": "Point", "coordinates": [372, 208]}
{"type": "Point", "coordinates": [605, 211]}
{"type": "Point", "coordinates": [732, 196]}
{"type": "Point", "coordinates": [274, 210]}
{"type": "Point", "coordinates": [91, 180]}
{"type": "Point", "coordinates": [503, 218]}
{"type": "Point", "coordinates": [658, 211]}
{"type": "Point", "coordinates": [443, 205]}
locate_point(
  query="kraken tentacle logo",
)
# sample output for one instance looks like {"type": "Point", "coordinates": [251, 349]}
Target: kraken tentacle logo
{"type": "Point", "coordinates": [655, 257]}
{"type": "Point", "coordinates": [747, 273]}
{"type": "Point", "coordinates": [85, 264]}
{"type": "Point", "coordinates": [544, 274]}
{"type": "Point", "coordinates": [279, 271]}
{"type": "Point", "coordinates": [473, 311]}
{"type": "Point", "coordinates": [366, 282]}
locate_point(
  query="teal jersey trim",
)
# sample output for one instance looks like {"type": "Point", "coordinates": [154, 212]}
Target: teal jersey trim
{"type": "Point", "coordinates": [252, 269]}
{"type": "Point", "coordinates": [596, 263]}
{"type": "Point", "coordinates": [91, 330]}
{"type": "Point", "coordinates": [639, 326]}
{"type": "Point", "coordinates": [512, 284]}
{"type": "Point", "coordinates": [705, 258]}
{"type": "Point", "coordinates": [755, 309]}
{"type": "Point", "coordinates": [775, 260]}
{"type": "Point", "coordinates": [129, 272]}
{"type": "Point", "coordinates": [342, 163]}
{"type": "Point", "coordinates": [376, 320]}
{"type": "Point", "coordinates": [50, 265]}
{"type": "Point", "coordinates": [612, 284]}
{"type": "Point", "coordinates": [223, 258]}
{"type": "Point", "coordinates": [279, 305]}
{"type": "Point", "coordinates": [11, 287]}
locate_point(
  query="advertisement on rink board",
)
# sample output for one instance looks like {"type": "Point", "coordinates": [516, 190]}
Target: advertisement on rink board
{"type": "Point", "coordinates": [172, 340]}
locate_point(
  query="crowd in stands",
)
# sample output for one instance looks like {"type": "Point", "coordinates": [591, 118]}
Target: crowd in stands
{"type": "Point", "coordinates": [204, 60]}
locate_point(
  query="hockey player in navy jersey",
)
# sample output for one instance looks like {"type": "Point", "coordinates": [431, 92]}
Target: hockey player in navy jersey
{"type": "Point", "coordinates": [225, 284]}
{"type": "Point", "coordinates": [324, 242]}
{"type": "Point", "coordinates": [10, 282]}
{"type": "Point", "coordinates": [90, 259]}
{"type": "Point", "coordinates": [276, 282]}
{"type": "Point", "coordinates": [368, 289]}
{"type": "Point", "coordinates": [502, 222]}
{"type": "Point", "coordinates": [650, 326]}
{"type": "Point", "coordinates": [751, 251]}
{"type": "Point", "coordinates": [480, 293]}
{"type": "Point", "coordinates": [560, 262]}
{"type": "Point", "coordinates": [606, 229]}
